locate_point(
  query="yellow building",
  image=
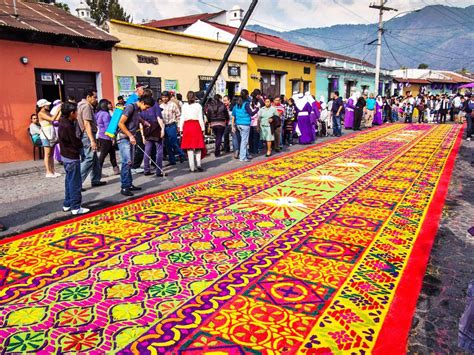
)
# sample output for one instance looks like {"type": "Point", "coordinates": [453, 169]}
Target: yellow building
{"type": "Point", "coordinates": [275, 66]}
{"type": "Point", "coordinates": [167, 60]}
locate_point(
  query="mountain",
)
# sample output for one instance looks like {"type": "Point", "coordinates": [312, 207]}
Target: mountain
{"type": "Point", "coordinates": [437, 35]}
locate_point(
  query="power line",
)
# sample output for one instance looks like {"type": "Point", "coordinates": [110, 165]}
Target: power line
{"type": "Point", "coordinates": [390, 50]}
{"type": "Point", "coordinates": [424, 50]}
{"type": "Point", "coordinates": [349, 10]}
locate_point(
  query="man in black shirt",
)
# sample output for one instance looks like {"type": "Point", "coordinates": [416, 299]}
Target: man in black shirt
{"type": "Point", "coordinates": [336, 111]}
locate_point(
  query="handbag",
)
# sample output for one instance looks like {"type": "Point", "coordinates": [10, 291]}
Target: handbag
{"type": "Point", "coordinates": [53, 139]}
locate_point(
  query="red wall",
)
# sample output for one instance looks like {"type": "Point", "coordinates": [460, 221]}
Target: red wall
{"type": "Point", "coordinates": [18, 90]}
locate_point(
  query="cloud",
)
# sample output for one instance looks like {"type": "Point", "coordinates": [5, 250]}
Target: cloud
{"type": "Point", "coordinates": [276, 14]}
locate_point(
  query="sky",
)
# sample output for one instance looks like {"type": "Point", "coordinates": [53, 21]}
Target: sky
{"type": "Point", "coordinates": [278, 15]}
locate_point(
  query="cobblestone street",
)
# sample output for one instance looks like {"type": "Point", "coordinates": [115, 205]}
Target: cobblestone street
{"type": "Point", "coordinates": [450, 269]}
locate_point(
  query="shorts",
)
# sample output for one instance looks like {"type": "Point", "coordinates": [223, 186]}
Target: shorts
{"type": "Point", "coordinates": [46, 143]}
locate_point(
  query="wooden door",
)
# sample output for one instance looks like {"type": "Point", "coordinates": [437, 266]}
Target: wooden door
{"type": "Point", "coordinates": [270, 84]}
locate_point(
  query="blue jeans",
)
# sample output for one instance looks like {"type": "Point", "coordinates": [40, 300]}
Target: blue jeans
{"type": "Point", "coordinates": [469, 118]}
{"type": "Point", "coordinates": [159, 155]}
{"type": "Point", "coordinates": [244, 141]}
{"type": "Point", "coordinates": [394, 116]}
{"type": "Point", "coordinates": [236, 140]}
{"type": "Point", "coordinates": [254, 140]}
{"type": "Point", "coordinates": [171, 143]}
{"type": "Point", "coordinates": [90, 162]}
{"type": "Point", "coordinates": [336, 125]}
{"type": "Point", "coordinates": [126, 154]}
{"type": "Point", "coordinates": [72, 185]}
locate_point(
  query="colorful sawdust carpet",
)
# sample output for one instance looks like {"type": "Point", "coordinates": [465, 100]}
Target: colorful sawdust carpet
{"type": "Point", "coordinates": [320, 251]}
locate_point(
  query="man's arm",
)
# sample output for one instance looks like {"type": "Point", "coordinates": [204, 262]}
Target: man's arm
{"type": "Point", "coordinates": [125, 130]}
{"type": "Point", "coordinates": [90, 135]}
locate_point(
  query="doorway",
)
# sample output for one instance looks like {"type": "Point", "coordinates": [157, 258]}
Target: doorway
{"type": "Point", "coordinates": [231, 88]}
{"type": "Point", "coordinates": [271, 84]}
{"type": "Point", "coordinates": [74, 84]}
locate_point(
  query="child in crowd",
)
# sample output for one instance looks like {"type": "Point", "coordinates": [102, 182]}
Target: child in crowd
{"type": "Point", "coordinates": [71, 146]}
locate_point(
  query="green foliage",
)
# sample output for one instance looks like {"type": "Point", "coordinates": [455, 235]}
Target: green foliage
{"type": "Point", "coordinates": [63, 6]}
{"type": "Point", "coordinates": [103, 10]}
{"type": "Point", "coordinates": [423, 66]}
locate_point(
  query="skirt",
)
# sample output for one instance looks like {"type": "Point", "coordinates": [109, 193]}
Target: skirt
{"type": "Point", "coordinates": [193, 138]}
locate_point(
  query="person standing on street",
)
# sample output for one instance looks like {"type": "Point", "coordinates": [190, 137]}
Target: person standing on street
{"type": "Point", "coordinates": [444, 108]}
{"type": "Point", "coordinates": [47, 135]}
{"type": "Point", "coordinates": [469, 110]}
{"type": "Point", "coordinates": [266, 115]}
{"type": "Point", "coordinates": [70, 146]}
{"type": "Point", "coordinates": [217, 116]}
{"type": "Point", "coordinates": [106, 144]}
{"type": "Point", "coordinates": [191, 127]}
{"type": "Point", "coordinates": [171, 114]}
{"type": "Point", "coordinates": [370, 111]}
{"type": "Point", "coordinates": [242, 117]}
{"type": "Point", "coordinates": [278, 132]}
{"type": "Point", "coordinates": [359, 112]}
{"type": "Point", "coordinates": [87, 130]}
{"type": "Point", "coordinates": [128, 126]}
{"type": "Point", "coordinates": [153, 138]}
{"type": "Point", "coordinates": [336, 110]}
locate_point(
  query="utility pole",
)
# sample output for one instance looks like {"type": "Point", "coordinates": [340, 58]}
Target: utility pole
{"type": "Point", "coordinates": [229, 49]}
{"type": "Point", "coordinates": [381, 7]}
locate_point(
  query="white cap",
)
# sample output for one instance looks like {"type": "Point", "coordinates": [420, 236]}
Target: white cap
{"type": "Point", "coordinates": [43, 102]}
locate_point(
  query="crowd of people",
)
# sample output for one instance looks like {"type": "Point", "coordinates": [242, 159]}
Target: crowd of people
{"type": "Point", "coordinates": [153, 129]}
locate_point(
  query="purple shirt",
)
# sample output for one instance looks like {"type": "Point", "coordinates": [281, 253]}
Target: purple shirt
{"type": "Point", "coordinates": [152, 113]}
{"type": "Point", "coordinates": [103, 120]}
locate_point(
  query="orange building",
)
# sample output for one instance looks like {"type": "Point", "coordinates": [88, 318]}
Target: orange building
{"type": "Point", "coordinates": [46, 53]}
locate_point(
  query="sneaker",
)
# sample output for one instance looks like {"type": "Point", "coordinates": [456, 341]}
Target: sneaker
{"type": "Point", "coordinates": [135, 188]}
{"type": "Point", "coordinates": [126, 192]}
{"type": "Point", "coordinates": [66, 209]}
{"type": "Point", "coordinates": [245, 160]}
{"type": "Point", "coordinates": [468, 138]}
{"type": "Point", "coordinates": [100, 183]}
{"type": "Point", "coordinates": [57, 174]}
{"type": "Point", "coordinates": [137, 171]}
{"type": "Point", "coordinates": [159, 175]}
{"type": "Point", "coordinates": [51, 176]}
{"type": "Point", "coordinates": [147, 173]}
{"type": "Point", "coordinates": [81, 210]}
{"type": "Point", "coordinates": [116, 170]}
{"type": "Point", "coordinates": [200, 169]}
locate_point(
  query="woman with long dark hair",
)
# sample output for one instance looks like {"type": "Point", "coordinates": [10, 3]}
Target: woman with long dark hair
{"type": "Point", "coordinates": [191, 126]}
{"type": "Point", "coordinates": [106, 143]}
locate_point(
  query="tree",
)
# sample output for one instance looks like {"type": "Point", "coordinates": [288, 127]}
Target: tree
{"type": "Point", "coordinates": [63, 6]}
{"type": "Point", "coordinates": [423, 66]}
{"type": "Point", "coordinates": [103, 10]}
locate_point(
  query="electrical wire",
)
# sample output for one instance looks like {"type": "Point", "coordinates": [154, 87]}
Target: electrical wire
{"type": "Point", "coordinates": [390, 51]}
{"type": "Point", "coordinates": [424, 50]}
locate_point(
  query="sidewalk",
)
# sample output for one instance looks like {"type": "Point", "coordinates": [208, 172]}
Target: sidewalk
{"type": "Point", "coordinates": [21, 168]}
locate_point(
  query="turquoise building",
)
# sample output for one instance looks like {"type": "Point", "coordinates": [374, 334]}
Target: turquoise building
{"type": "Point", "coordinates": [348, 75]}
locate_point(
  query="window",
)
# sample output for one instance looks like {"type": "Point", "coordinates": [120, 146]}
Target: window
{"type": "Point", "coordinates": [307, 70]}
{"type": "Point", "coordinates": [153, 83]}
{"type": "Point", "coordinates": [295, 86]}
{"type": "Point", "coordinates": [306, 86]}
